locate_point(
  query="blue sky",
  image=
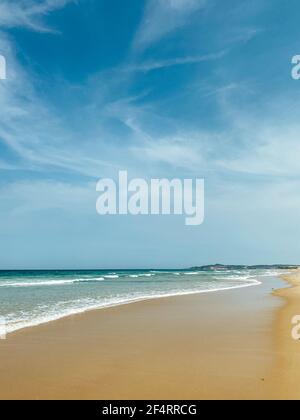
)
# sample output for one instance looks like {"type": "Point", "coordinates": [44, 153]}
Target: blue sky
{"type": "Point", "coordinates": [161, 88]}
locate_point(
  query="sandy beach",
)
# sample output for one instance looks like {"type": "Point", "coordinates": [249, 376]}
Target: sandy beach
{"type": "Point", "coordinates": [226, 345]}
{"type": "Point", "coordinates": [288, 357]}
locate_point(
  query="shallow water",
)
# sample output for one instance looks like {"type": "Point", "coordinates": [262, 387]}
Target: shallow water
{"type": "Point", "coordinates": [29, 298]}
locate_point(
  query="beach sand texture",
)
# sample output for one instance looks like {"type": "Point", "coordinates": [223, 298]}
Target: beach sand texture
{"type": "Point", "coordinates": [234, 344]}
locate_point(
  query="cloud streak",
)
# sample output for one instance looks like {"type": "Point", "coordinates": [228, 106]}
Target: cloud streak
{"type": "Point", "coordinates": [28, 13]}
{"type": "Point", "coordinates": [162, 17]}
{"type": "Point", "coordinates": [151, 65]}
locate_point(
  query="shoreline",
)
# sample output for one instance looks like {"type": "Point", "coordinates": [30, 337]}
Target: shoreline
{"type": "Point", "coordinates": [186, 347]}
{"type": "Point", "coordinates": [254, 283]}
{"type": "Point", "coordinates": [288, 355]}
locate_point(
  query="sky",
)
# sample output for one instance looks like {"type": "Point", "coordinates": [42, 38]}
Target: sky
{"type": "Point", "coordinates": [160, 88]}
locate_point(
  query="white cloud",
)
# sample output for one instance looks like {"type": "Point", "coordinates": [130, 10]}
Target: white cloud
{"type": "Point", "coordinates": [40, 137]}
{"type": "Point", "coordinates": [181, 61]}
{"type": "Point", "coordinates": [162, 17]}
{"type": "Point", "coordinates": [34, 132]}
{"type": "Point", "coordinates": [275, 151]}
{"type": "Point", "coordinates": [247, 144]}
{"type": "Point", "coordinates": [28, 13]}
{"type": "Point", "coordinates": [176, 152]}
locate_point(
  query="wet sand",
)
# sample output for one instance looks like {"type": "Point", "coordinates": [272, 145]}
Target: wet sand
{"type": "Point", "coordinates": [223, 345]}
{"type": "Point", "coordinates": [288, 357]}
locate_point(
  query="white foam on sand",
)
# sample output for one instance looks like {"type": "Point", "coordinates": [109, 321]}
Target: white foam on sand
{"type": "Point", "coordinates": [82, 306]}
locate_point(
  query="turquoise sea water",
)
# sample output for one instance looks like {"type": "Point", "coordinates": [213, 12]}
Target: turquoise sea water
{"type": "Point", "coordinates": [29, 298]}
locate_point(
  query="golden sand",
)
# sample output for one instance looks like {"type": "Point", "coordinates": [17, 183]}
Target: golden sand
{"type": "Point", "coordinates": [288, 356]}
{"type": "Point", "coordinates": [227, 345]}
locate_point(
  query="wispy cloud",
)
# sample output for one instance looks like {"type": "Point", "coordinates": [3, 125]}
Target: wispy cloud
{"type": "Point", "coordinates": [151, 65]}
{"type": "Point", "coordinates": [162, 17]}
{"type": "Point", "coordinates": [243, 35]}
{"type": "Point", "coordinates": [28, 13]}
{"type": "Point", "coordinates": [199, 121]}
{"type": "Point", "coordinates": [275, 153]}
{"type": "Point", "coordinates": [247, 144]}
{"type": "Point", "coordinates": [36, 134]}
{"type": "Point", "coordinates": [41, 138]}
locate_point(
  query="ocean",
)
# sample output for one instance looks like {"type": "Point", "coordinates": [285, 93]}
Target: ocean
{"type": "Point", "coordinates": [30, 298]}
